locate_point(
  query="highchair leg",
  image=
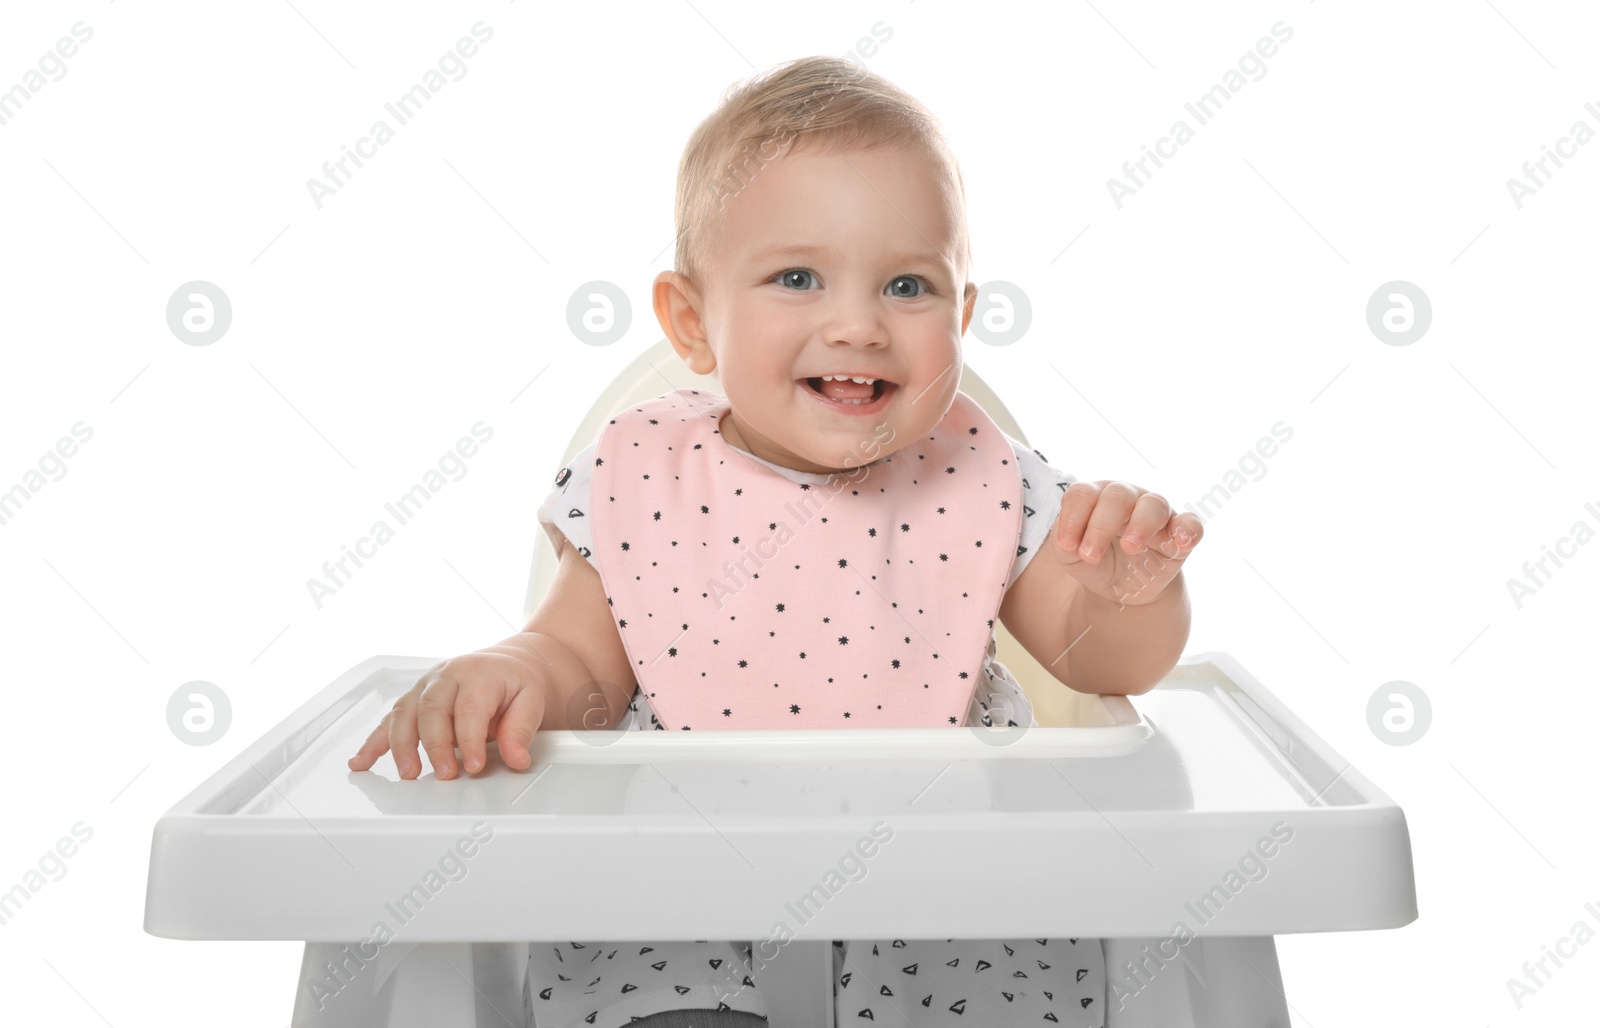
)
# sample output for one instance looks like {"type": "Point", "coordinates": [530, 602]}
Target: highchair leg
{"type": "Point", "coordinates": [404, 985]}
{"type": "Point", "coordinates": [797, 984]}
{"type": "Point", "coordinates": [1215, 982]}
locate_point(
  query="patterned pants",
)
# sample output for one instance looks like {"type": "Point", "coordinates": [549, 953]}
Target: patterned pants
{"type": "Point", "coordinates": [948, 984]}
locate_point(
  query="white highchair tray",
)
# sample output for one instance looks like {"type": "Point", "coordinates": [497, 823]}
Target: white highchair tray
{"type": "Point", "coordinates": [1217, 807]}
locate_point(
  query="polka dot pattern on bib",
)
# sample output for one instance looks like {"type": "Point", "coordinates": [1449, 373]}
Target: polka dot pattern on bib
{"type": "Point", "coordinates": [746, 600]}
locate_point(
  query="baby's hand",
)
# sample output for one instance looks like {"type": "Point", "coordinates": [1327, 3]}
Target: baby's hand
{"type": "Point", "coordinates": [1154, 541]}
{"type": "Point", "coordinates": [493, 693]}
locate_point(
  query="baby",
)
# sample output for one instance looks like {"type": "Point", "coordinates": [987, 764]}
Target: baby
{"type": "Point", "coordinates": [827, 545]}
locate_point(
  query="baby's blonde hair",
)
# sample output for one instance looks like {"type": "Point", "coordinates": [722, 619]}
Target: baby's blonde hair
{"type": "Point", "coordinates": [829, 102]}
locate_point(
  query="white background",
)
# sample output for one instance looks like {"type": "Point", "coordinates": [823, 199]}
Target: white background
{"type": "Point", "coordinates": [1226, 295]}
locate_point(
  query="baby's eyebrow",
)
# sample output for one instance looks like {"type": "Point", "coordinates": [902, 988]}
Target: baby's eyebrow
{"type": "Point", "coordinates": [811, 251]}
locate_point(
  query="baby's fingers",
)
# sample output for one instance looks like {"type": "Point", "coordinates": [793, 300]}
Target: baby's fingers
{"type": "Point", "coordinates": [377, 745]}
{"type": "Point", "coordinates": [1077, 502]}
{"type": "Point", "coordinates": [475, 705]}
{"type": "Point", "coordinates": [403, 736]}
{"type": "Point", "coordinates": [1112, 508]}
{"type": "Point", "coordinates": [1147, 524]}
{"type": "Point", "coordinates": [1179, 537]}
{"type": "Point", "coordinates": [517, 725]}
{"type": "Point", "coordinates": [435, 723]}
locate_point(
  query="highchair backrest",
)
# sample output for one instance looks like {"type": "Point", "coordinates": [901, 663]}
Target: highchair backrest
{"type": "Point", "coordinates": [659, 370]}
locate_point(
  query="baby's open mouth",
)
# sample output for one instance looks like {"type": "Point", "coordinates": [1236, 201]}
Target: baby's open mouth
{"type": "Point", "coordinates": [854, 391]}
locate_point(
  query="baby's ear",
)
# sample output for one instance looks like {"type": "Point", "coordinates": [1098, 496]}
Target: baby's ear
{"type": "Point", "coordinates": [699, 358]}
{"type": "Point", "coordinates": [677, 307]}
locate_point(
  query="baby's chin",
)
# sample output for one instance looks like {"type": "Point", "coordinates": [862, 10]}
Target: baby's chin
{"type": "Point", "coordinates": [853, 449]}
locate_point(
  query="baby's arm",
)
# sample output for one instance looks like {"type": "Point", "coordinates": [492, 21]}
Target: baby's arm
{"type": "Point", "coordinates": [567, 670]}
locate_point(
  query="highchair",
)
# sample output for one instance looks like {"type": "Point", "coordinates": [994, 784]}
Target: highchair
{"type": "Point", "coordinates": [1184, 827]}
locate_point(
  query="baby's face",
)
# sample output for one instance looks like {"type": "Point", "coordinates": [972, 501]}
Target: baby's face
{"type": "Point", "coordinates": [840, 263]}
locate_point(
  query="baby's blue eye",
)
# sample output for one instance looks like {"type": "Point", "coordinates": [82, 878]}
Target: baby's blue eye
{"type": "Point", "coordinates": [788, 278]}
{"type": "Point", "coordinates": [895, 291]}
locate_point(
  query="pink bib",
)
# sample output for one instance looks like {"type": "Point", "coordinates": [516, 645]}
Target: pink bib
{"type": "Point", "coordinates": [746, 600]}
